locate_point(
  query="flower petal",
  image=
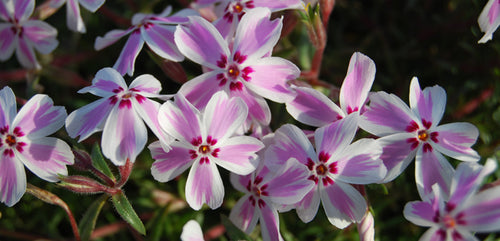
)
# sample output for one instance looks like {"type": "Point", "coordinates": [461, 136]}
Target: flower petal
{"type": "Point", "coordinates": [489, 20]}
{"type": "Point", "coordinates": [200, 89]}
{"type": "Point", "coordinates": [313, 108]}
{"type": "Point", "coordinates": [270, 78]}
{"type": "Point", "coordinates": [7, 41]}
{"type": "Point", "coordinates": [258, 109]}
{"type": "Point", "coordinates": [244, 215]}
{"type": "Point", "coordinates": [201, 42]}
{"type": "Point", "coordinates": [12, 180]}
{"type": "Point", "coordinates": [240, 182]}
{"type": "Point", "coordinates": [397, 154]}
{"type": "Point", "coordinates": [343, 204]}
{"type": "Point", "coordinates": [334, 138]}
{"type": "Point", "coordinates": [431, 168]}
{"type": "Point", "coordinates": [429, 104]}
{"type": "Point", "coordinates": [289, 184]}
{"type": "Point", "coordinates": [42, 35]}
{"type": "Point", "coordinates": [161, 40]}
{"type": "Point", "coordinates": [39, 117]}
{"type": "Point", "coordinates": [126, 61]}
{"type": "Point", "coordinates": [279, 5]}
{"type": "Point", "coordinates": [289, 141]}
{"type": "Point", "coordinates": [455, 140]}
{"type": "Point", "coordinates": [191, 231]}
{"type": "Point", "coordinates": [26, 55]}
{"type": "Point", "coordinates": [420, 213]}
{"type": "Point", "coordinates": [433, 234]}
{"type": "Point", "coordinates": [23, 9]}
{"type": "Point", "coordinates": [224, 115]}
{"type": "Point", "coordinates": [180, 119]}
{"type": "Point", "coordinates": [308, 207]}
{"type": "Point", "coordinates": [90, 118]}
{"type": "Point", "coordinates": [147, 85]}
{"type": "Point", "coordinates": [105, 83]}
{"type": "Point", "coordinates": [269, 223]}
{"type": "Point", "coordinates": [357, 83]}
{"type": "Point", "coordinates": [8, 108]}
{"type": "Point", "coordinates": [482, 212]}
{"type": "Point", "coordinates": [169, 165]}
{"type": "Point", "coordinates": [73, 18]}
{"type": "Point", "coordinates": [110, 38]}
{"type": "Point", "coordinates": [148, 111]}
{"type": "Point", "coordinates": [47, 158]}
{"type": "Point", "coordinates": [204, 185]}
{"type": "Point", "coordinates": [238, 154]}
{"type": "Point", "coordinates": [91, 5]}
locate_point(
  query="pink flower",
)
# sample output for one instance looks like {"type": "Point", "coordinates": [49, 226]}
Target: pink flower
{"type": "Point", "coordinates": [242, 70]}
{"type": "Point", "coordinates": [120, 114]}
{"type": "Point", "coordinates": [156, 30]}
{"type": "Point", "coordinates": [458, 212]}
{"type": "Point", "coordinates": [409, 132]}
{"type": "Point", "coordinates": [314, 108]}
{"type": "Point", "coordinates": [192, 232]}
{"type": "Point", "coordinates": [24, 35]}
{"type": "Point", "coordinates": [73, 18]}
{"type": "Point", "coordinates": [265, 189]}
{"type": "Point", "coordinates": [203, 141]}
{"type": "Point", "coordinates": [489, 20]}
{"type": "Point", "coordinates": [333, 166]}
{"type": "Point", "coordinates": [24, 141]}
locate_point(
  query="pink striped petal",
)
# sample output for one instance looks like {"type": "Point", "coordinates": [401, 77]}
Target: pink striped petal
{"type": "Point", "coordinates": [258, 109]}
{"type": "Point", "coordinates": [289, 141]}
{"type": "Point", "coordinates": [180, 119]}
{"type": "Point", "coordinates": [39, 117]}
{"type": "Point", "coordinates": [23, 9]}
{"type": "Point", "coordinates": [126, 61]}
{"type": "Point", "coordinates": [357, 83]}
{"type": "Point", "coordinates": [204, 185]}
{"type": "Point", "coordinates": [91, 5]}
{"type": "Point", "coordinates": [269, 223]}
{"type": "Point", "coordinates": [42, 35]}
{"type": "Point", "coordinates": [431, 168]}
{"type": "Point", "coordinates": [313, 108]}
{"type": "Point", "coordinates": [278, 5]}
{"type": "Point", "coordinates": [397, 154]}
{"type": "Point", "coordinates": [420, 213]}
{"type": "Point", "coordinates": [7, 41]}
{"type": "Point", "coordinates": [428, 104]}
{"type": "Point", "coordinates": [8, 108]}
{"type": "Point", "coordinates": [290, 183]}
{"type": "Point", "coordinates": [482, 212]}
{"type": "Point", "coordinates": [244, 215]}
{"type": "Point", "coordinates": [148, 111]}
{"type": "Point", "coordinates": [147, 85]}
{"type": "Point", "coordinates": [169, 165]}
{"type": "Point", "coordinates": [201, 42]}
{"type": "Point", "coordinates": [111, 37]}
{"type": "Point", "coordinates": [105, 83]}
{"type": "Point", "coordinates": [489, 20]}
{"type": "Point", "coordinates": [455, 140]}
{"type": "Point", "coordinates": [343, 204]}
{"type": "Point", "coordinates": [433, 234]}
{"type": "Point", "coordinates": [237, 154]}
{"type": "Point", "coordinates": [12, 180]}
{"type": "Point", "coordinates": [224, 115]}
{"type": "Point", "coordinates": [89, 119]}
{"type": "Point", "coordinates": [270, 78]}
{"type": "Point", "coordinates": [191, 231]}
{"type": "Point", "coordinates": [334, 138]}
{"type": "Point", "coordinates": [73, 18]}
{"type": "Point", "coordinates": [256, 35]}
{"type": "Point", "coordinates": [47, 157]}
{"type": "Point", "coordinates": [5, 11]}
{"type": "Point", "coordinates": [240, 182]}
{"type": "Point", "coordinates": [308, 207]}
{"type": "Point", "coordinates": [200, 89]}
{"type": "Point", "coordinates": [161, 40]}
{"type": "Point", "coordinates": [26, 55]}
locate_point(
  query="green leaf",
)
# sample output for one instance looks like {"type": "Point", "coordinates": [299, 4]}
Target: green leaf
{"type": "Point", "coordinates": [89, 219]}
{"type": "Point", "coordinates": [100, 163]}
{"type": "Point", "coordinates": [124, 208]}
{"type": "Point", "coordinates": [233, 232]}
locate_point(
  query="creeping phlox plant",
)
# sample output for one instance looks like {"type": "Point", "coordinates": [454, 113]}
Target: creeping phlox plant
{"type": "Point", "coordinates": [219, 127]}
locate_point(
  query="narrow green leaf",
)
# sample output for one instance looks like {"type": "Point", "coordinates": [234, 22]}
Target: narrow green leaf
{"type": "Point", "coordinates": [233, 232]}
{"type": "Point", "coordinates": [89, 219]}
{"type": "Point", "coordinates": [124, 208]}
{"type": "Point", "coordinates": [100, 163]}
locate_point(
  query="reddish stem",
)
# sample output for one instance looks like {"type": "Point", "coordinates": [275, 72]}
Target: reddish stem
{"type": "Point", "coordinates": [473, 104]}
{"type": "Point", "coordinates": [125, 171]}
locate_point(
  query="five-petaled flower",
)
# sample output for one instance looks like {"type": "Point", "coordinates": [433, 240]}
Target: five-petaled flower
{"type": "Point", "coordinates": [156, 30]}
{"type": "Point", "coordinates": [73, 18]}
{"type": "Point", "coordinates": [203, 141]}
{"type": "Point", "coordinates": [457, 212]}
{"type": "Point", "coordinates": [414, 132]}
{"type": "Point", "coordinates": [241, 69]}
{"type": "Point", "coordinates": [334, 165]}
{"type": "Point", "coordinates": [24, 141]}
{"type": "Point", "coordinates": [22, 34]}
{"type": "Point", "coordinates": [489, 20]}
{"type": "Point", "coordinates": [120, 114]}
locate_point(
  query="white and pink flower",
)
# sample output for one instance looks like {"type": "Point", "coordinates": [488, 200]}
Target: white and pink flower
{"type": "Point", "coordinates": [73, 18]}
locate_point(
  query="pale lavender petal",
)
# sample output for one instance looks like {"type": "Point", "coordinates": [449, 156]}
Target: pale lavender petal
{"type": "Point", "coordinates": [12, 180]}
{"type": "Point", "coordinates": [313, 108]}
{"type": "Point", "coordinates": [227, 27]}
{"type": "Point", "coordinates": [357, 83]}
{"type": "Point", "coordinates": [47, 157]}
{"type": "Point", "coordinates": [366, 228]}
{"type": "Point", "coordinates": [180, 119]}
{"type": "Point", "coordinates": [5, 11]}
{"type": "Point", "coordinates": [161, 40]}
{"type": "Point", "coordinates": [224, 115]}
{"type": "Point", "coordinates": [200, 89]}
{"type": "Point", "coordinates": [308, 207]}
{"type": "Point", "coordinates": [289, 141]}
{"type": "Point", "coordinates": [290, 183]}
{"type": "Point", "coordinates": [244, 215]}
{"type": "Point", "coordinates": [431, 167]}
{"type": "Point", "coordinates": [433, 234]}
{"type": "Point", "coordinates": [256, 35]}
{"type": "Point", "coordinates": [238, 154]}
{"type": "Point", "coordinates": [26, 55]}
{"type": "Point", "coordinates": [147, 85]}
{"type": "Point", "coordinates": [42, 35]}
{"type": "Point", "coordinates": [201, 42]}
{"type": "Point", "coordinates": [89, 119]}
{"type": "Point", "coordinates": [148, 110]}
{"type": "Point", "coordinates": [110, 38]}
{"type": "Point", "coordinates": [56, 3]}
{"type": "Point", "coordinates": [7, 41]}
{"type": "Point", "coordinates": [258, 109]}
{"type": "Point", "coordinates": [105, 83]}
{"type": "Point", "coordinates": [269, 223]}
{"type": "Point", "coordinates": [204, 185]}
{"type": "Point", "coordinates": [8, 108]}
{"type": "Point", "coordinates": [334, 138]}
{"type": "Point", "coordinates": [420, 213]}
{"type": "Point", "coordinates": [191, 231]}
{"type": "Point", "coordinates": [39, 117]}
{"type": "Point", "coordinates": [482, 212]}
{"type": "Point", "coordinates": [489, 20]}
{"type": "Point", "coordinates": [278, 5]}
{"type": "Point", "coordinates": [360, 163]}
{"type": "Point", "coordinates": [73, 18]}
{"type": "Point", "coordinates": [429, 104]}
{"type": "Point", "coordinates": [343, 204]}
{"type": "Point", "coordinates": [270, 78]}
{"type": "Point", "coordinates": [23, 9]}
{"type": "Point", "coordinates": [455, 140]}
{"type": "Point", "coordinates": [169, 165]}
{"type": "Point", "coordinates": [397, 154]}
{"type": "Point", "coordinates": [124, 135]}
{"type": "Point", "coordinates": [180, 17]}
{"type": "Point", "coordinates": [92, 5]}
{"type": "Point", "coordinates": [126, 61]}
{"type": "Point", "coordinates": [240, 182]}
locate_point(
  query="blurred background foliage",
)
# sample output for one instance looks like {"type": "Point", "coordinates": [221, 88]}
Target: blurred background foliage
{"type": "Point", "coordinates": [433, 40]}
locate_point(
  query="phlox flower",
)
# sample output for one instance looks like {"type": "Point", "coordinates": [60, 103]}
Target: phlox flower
{"type": "Point", "coordinates": [242, 69]}
{"type": "Point", "coordinates": [458, 212]}
{"type": "Point", "coordinates": [266, 190]}
{"type": "Point", "coordinates": [413, 132]}
{"type": "Point", "coordinates": [333, 166]}
{"type": "Point", "coordinates": [489, 20]}
{"type": "Point", "coordinates": [314, 108]}
{"type": "Point", "coordinates": [192, 232]}
{"type": "Point", "coordinates": [156, 30]}
{"type": "Point", "coordinates": [22, 34]}
{"type": "Point", "coordinates": [24, 141]}
{"type": "Point", "coordinates": [73, 17]}
{"type": "Point", "coordinates": [120, 114]}
{"type": "Point", "coordinates": [204, 140]}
